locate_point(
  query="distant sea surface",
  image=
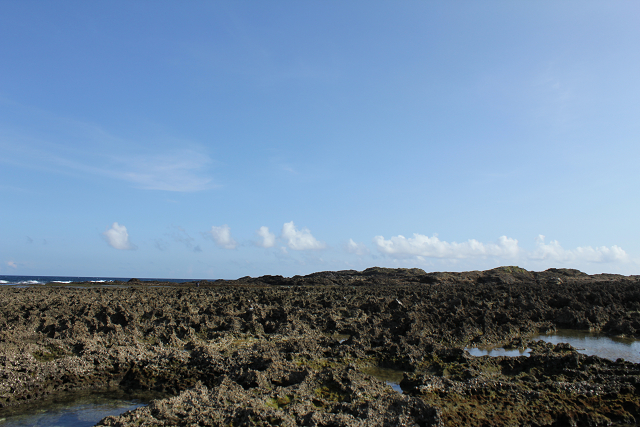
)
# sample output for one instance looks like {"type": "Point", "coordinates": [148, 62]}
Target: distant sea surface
{"type": "Point", "coordinates": [40, 280]}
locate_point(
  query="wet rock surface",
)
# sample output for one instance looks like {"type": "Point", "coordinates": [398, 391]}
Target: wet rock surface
{"type": "Point", "coordinates": [296, 351]}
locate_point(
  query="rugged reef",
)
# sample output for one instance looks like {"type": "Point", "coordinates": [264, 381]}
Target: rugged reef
{"type": "Point", "coordinates": [313, 350]}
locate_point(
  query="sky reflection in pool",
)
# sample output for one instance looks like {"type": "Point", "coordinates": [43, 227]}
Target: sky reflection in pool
{"type": "Point", "coordinates": [390, 376]}
{"type": "Point", "coordinates": [84, 412]}
{"type": "Point", "coordinates": [595, 344]}
{"type": "Point", "coordinates": [497, 351]}
{"type": "Point", "coordinates": [589, 343]}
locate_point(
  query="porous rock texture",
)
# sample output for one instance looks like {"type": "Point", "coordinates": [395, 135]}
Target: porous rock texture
{"type": "Point", "coordinates": [300, 351]}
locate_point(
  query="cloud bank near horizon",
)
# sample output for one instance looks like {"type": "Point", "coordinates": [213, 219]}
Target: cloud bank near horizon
{"type": "Point", "coordinates": [555, 252]}
{"type": "Point", "coordinates": [431, 247]}
{"type": "Point", "coordinates": [418, 249]}
{"type": "Point", "coordinates": [507, 249]}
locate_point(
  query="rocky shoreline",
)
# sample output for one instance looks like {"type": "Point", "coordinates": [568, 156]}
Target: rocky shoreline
{"type": "Point", "coordinates": [301, 350]}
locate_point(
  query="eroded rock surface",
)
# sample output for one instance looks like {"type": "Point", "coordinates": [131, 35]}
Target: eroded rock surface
{"type": "Point", "coordinates": [295, 351]}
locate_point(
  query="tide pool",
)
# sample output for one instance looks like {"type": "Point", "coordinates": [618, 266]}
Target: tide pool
{"type": "Point", "coordinates": [585, 342]}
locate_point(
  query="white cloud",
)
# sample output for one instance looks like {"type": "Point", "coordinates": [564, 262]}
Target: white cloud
{"type": "Point", "coordinates": [222, 237]}
{"type": "Point", "coordinates": [180, 170]}
{"type": "Point", "coordinates": [268, 238]}
{"type": "Point", "coordinates": [356, 248]}
{"type": "Point", "coordinates": [505, 250]}
{"type": "Point", "coordinates": [12, 264]}
{"type": "Point", "coordinates": [554, 252]}
{"type": "Point", "coordinates": [150, 165]}
{"type": "Point", "coordinates": [299, 240]}
{"type": "Point", "coordinates": [423, 246]}
{"type": "Point", "coordinates": [118, 237]}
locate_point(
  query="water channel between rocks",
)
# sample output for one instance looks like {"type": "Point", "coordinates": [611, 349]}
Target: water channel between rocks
{"type": "Point", "coordinates": [589, 343]}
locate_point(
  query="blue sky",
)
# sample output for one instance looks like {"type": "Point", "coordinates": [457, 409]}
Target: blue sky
{"type": "Point", "coordinates": [224, 139]}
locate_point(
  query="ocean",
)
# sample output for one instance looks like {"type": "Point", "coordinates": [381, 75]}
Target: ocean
{"type": "Point", "coordinates": [40, 280]}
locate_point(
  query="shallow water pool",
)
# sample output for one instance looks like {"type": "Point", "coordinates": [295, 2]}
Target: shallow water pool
{"type": "Point", "coordinates": [390, 376]}
{"type": "Point", "coordinates": [585, 342]}
{"type": "Point", "coordinates": [77, 410]}
{"type": "Point", "coordinates": [595, 344]}
{"type": "Point", "coordinates": [497, 351]}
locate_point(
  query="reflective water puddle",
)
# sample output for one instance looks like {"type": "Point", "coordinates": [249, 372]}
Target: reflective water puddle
{"type": "Point", "coordinates": [595, 344]}
{"type": "Point", "coordinates": [341, 337]}
{"type": "Point", "coordinates": [589, 343]}
{"type": "Point", "coordinates": [496, 351]}
{"type": "Point", "coordinates": [391, 376]}
{"type": "Point", "coordinates": [73, 410]}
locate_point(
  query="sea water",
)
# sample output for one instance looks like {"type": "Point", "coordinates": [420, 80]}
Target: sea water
{"type": "Point", "coordinates": [390, 376]}
{"type": "Point", "coordinates": [497, 351]}
{"type": "Point", "coordinates": [41, 280]}
{"type": "Point", "coordinates": [73, 410]}
{"type": "Point", "coordinates": [585, 342]}
{"type": "Point", "coordinates": [594, 344]}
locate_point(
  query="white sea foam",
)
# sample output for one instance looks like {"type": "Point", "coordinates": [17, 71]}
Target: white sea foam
{"type": "Point", "coordinates": [3, 282]}
{"type": "Point", "coordinates": [30, 282]}
{"type": "Point", "coordinates": [61, 281]}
